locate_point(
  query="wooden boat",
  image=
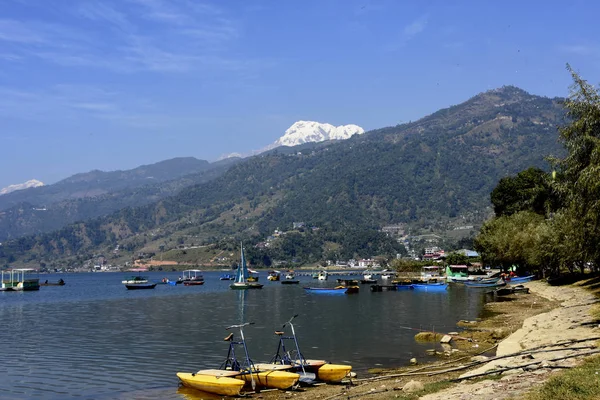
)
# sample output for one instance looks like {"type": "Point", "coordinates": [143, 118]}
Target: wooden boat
{"type": "Point", "coordinates": [505, 291]}
{"type": "Point", "coordinates": [520, 279]}
{"type": "Point", "coordinates": [138, 286]}
{"type": "Point", "coordinates": [60, 282]}
{"type": "Point", "coordinates": [241, 277]}
{"type": "Point", "coordinates": [308, 369]}
{"type": "Point", "coordinates": [17, 280]}
{"type": "Point", "coordinates": [220, 382]}
{"type": "Point", "coordinates": [480, 284]}
{"type": "Point", "coordinates": [430, 287]}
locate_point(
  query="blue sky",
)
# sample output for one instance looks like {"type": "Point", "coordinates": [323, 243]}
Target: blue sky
{"type": "Point", "coordinates": [114, 84]}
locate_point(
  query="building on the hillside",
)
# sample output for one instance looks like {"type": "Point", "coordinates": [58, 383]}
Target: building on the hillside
{"type": "Point", "coordinates": [433, 253]}
{"type": "Point", "coordinates": [393, 230]}
{"type": "Point", "coordinates": [468, 253]}
{"type": "Point", "coordinates": [368, 263]}
{"type": "Point", "coordinates": [298, 225]}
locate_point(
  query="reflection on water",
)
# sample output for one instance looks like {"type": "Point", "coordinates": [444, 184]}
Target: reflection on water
{"type": "Point", "coordinates": [94, 339]}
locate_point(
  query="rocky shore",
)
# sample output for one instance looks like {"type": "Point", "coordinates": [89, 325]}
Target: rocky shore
{"type": "Point", "coordinates": [536, 335]}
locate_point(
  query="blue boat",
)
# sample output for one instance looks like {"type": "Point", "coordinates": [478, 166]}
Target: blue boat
{"type": "Point", "coordinates": [478, 284]}
{"type": "Point", "coordinates": [319, 290]}
{"type": "Point", "coordinates": [430, 287]}
{"type": "Point", "coordinates": [521, 279]}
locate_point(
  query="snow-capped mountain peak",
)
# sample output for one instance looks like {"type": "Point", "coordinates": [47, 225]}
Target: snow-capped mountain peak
{"type": "Point", "coordinates": [311, 131]}
{"type": "Point", "coordinates": [19, 186]}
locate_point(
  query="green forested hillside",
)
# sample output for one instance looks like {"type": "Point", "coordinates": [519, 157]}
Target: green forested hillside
{"type": "Point", "coordinates": [434, 172]}
{"type": "Point", "coordinates": [97, 193]}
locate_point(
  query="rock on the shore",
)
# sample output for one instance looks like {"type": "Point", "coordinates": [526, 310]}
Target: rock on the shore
{"type": "Point", "coordinates": [413, 361]}
{"type": "Point", "coordinates": [413, 386]}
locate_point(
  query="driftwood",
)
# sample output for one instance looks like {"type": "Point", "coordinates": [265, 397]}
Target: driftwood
{"type": "Point", "coordinates": [415, 372]}
{"type": "Point", "coordinates": [523, 353]}
{"type": "Point", "coordinates": [500, 370]}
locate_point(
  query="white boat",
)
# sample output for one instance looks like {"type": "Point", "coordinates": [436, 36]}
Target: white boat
{"type": "Point", "coordinates": [17, 280]}
{"type": "Point", "coordinates": [323, 275]}
{"type": "Point", "coordinates": [242, 281]}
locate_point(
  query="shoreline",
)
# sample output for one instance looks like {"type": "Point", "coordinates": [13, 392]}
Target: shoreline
{"type": "Point", "coordinates": [549, 314]}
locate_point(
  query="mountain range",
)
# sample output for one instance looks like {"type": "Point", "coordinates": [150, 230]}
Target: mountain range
{"type": "Point", "coordinates": [429, 175]}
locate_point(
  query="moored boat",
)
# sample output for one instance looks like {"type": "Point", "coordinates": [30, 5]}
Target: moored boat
{"type": "Point", "coordinates": [192, 277]}
{"type": "Point", "coordinates": [21, 279]}
{"type": "Point", "coordinates": [520, 279]}
{"type": "Point", "coordinates": [273, 275]}
{"type": "Point", "coordinates": [234, 373]}
{"type": "Point", "coordinates": [485, 284]}
{"type": "Point", "coordinates": [309, 370]}
{"type": "Point", "coordinates": [320, 290]}
{"type": "Point", "coordinates": [138, 286]}
{"type": "Point", "coordinates": [60, 282]}
{"type": "Point", "coordinates": [242, 281]}
{"type": "Point", "coordinates": [217, 382]}
{"type": "Point", "coordinates": [430, 287]}
{"type": "Point", "coordinates": [323, 276]}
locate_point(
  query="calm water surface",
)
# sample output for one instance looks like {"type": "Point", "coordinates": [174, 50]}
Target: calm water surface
{"type": "Point", "coordinates": [94, 339]}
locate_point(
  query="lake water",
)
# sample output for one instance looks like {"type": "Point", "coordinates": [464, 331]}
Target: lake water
{"type": "Point", "coordinates": [93, 339]}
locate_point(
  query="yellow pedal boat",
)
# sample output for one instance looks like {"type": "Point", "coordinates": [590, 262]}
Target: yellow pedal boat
{"type": "Point", "coordinates": [333, 372]}
{"type": "Point", "coordinates": [213, 381]}
{"type": "Point", "coordinates": [272, 379]}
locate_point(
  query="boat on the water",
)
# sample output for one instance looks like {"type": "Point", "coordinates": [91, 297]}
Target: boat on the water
{"type": "Point", "coordinates": [430, 287]}
{"type": "Point", "coordinates": [21, 279]}
{"type": "Point", "coordinates": [290, 279]}
{"type": "Point", "coordinates": [227, 277]}
{"type": "Point", "coordinates": [485, 284]}
{"type": "Point", "coordinates": [192, 277]}
{"type": "Point", "coordinates": [320, 290]}
{"type": "Point", "coordinates": [273, 275]}
{"type": "Point", "coordinates": [322, 275]}
{"type": "Point", "coordinates": [351, 285]}
{"type": "Point", "coordinates": [309, 370]}
{"type": "Point", "coordinates": [241, 277]}
{"type": "Point", "coordinates": [138, 286]}
{"type": "Point", "coordinates": [235, 373]}
{"type": "Point", "coordinates": [60, 282]}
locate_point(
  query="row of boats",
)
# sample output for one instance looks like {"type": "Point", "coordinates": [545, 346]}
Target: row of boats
{"type": "Point", "coordinates": [286, 369]}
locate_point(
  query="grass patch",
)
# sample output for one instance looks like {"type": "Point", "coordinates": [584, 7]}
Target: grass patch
{"type": "Point", "coordinates": [432, 387]}
{"type": "Point", "coordinates": [579, 383]}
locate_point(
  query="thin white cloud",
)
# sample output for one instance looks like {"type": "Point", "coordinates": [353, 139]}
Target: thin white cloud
{"type": "Point", "coordinates": [183, 36]}
{"type": "Point", "coordinates": [415, 27]}
{"type": "Point", "coordinates": [408, 32]}
{"type": "Point", "coordinates": [581, 49]}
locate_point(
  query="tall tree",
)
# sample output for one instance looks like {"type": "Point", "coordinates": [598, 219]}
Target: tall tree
{"type": "Point", "coordinates": [578, 178]}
